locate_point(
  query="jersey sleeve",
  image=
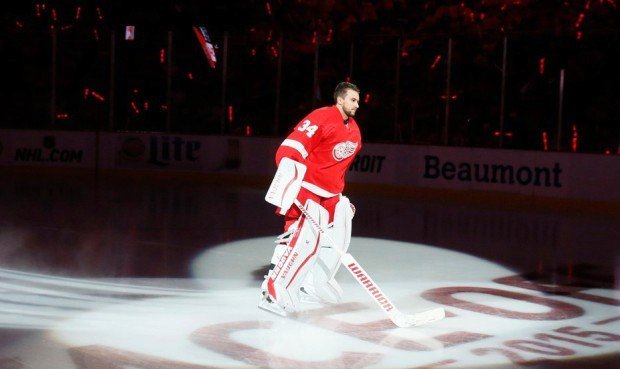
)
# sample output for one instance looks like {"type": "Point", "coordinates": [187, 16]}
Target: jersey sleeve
{"type": "Point", "coordinates": [288, 152]}
{"type": "Point", "coordinates": [304, 138]}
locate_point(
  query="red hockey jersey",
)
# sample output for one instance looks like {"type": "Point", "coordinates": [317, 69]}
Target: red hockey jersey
{"type": "Point", "coordinates": [326, 145]}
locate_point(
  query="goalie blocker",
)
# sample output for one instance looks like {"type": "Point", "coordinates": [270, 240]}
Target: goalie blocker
{"type": "Point", "coordinates": [286, 184]}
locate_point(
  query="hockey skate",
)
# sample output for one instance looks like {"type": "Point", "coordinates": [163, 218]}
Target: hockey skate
{"type": "Point", "coordinates": [266, 303]}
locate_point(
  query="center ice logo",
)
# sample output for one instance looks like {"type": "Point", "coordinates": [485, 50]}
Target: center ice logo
{"type": "Point", "coordinates": [495, 318]}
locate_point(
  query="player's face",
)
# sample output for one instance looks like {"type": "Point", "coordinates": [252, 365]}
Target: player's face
{"type": "Point", "coordinates": [350, 103]}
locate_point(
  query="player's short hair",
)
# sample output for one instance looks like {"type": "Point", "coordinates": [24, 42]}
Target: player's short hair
{"type": "Point", "coordinates": [341, 90]}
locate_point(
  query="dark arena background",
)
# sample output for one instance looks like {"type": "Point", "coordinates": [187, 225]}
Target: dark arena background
{"type": "Point", "coordinates": [137, 144]}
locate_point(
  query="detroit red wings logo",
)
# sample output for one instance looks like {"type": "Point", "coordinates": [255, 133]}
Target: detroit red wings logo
{"type": "Point", "coordinates": [343, 150]}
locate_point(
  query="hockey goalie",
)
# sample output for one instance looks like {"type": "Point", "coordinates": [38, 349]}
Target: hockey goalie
{"type": "Point", "coordinates": [312, 162]}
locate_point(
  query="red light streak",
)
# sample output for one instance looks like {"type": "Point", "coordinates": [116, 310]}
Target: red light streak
{"type": "Point", "coordinates": [96, 33]}
{"type": "Point", "coordinates": [314, 38]}
{"type": "Point", "coordinates": [248, 130]}
{"type": "Point", "coordinates": [574, 142]}
{"type": "Point", "coordinates": [78, 12]}
{"type": "Point", "coordinates": [19, 24]}
{"type": "Point", "coordinates": [274, 51]}
{"type": "Point", "coordinates": [268, 8]}
{"type": "Point", "coordinates": [134, 107]}
{"type": "Point", "coordinates": [97, 96]}
{"type": "Point", "coordinates": [506, 134]}
{"type": "Point", "coordinates": [86, 93]}
{"type": "Point", "coordinates": [190, 76]}
{"type": "Point", "coordinates": [579, 20]}
{"type": "Point", "coordinates": [541, 66]}
{"type": "Point", "coordinates": [145, 105]}
{"type": "Point", "coordinates": [367, 98]}
{"type": "Point", "coordinates": [452, 97]}
{"type": "Point", "coordinates": [436, 61]}
{"type": "Point", "coordinates": [62, 116]}
{"type": "Point", "coordinates": [231, 114]}
{"type": "Point", "coordinates": [54, 15]}
{"type": "Point", "coordinates": [545, 141]}
{"type": "Point", "coordinates": [99, 14]}
{"type": "Point", "coordinates": [162, 56]}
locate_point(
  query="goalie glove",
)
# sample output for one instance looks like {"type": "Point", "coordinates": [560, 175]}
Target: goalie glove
{"type": "Point", "coordinates": [286, 184]}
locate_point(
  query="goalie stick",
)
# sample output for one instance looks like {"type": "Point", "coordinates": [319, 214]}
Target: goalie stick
{"type": "Point", "coordinates": [396, 316]}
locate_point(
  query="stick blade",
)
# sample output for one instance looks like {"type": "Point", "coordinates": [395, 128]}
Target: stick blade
{"type": "Point", "coordinates": [416, 320]}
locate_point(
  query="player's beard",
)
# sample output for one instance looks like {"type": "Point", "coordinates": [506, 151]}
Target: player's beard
{"type": "Point", "coordinates": [349, 112]}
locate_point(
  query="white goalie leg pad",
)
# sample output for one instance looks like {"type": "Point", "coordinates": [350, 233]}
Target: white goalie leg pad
{"type": "Point", "coordinates": [277, 254]}
{"type": "Point", "coordinates": [282, 242]}
{"type": "Point", "coordinates": [320, 282]}
{"type": "Point", "coordinates": [286, 184]}
{"type": "Point", "coordinates": [298, 259]}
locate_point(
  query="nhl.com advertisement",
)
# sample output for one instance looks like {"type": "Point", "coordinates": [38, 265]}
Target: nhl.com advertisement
{"type": "Point", "coordinates": [47, 149]}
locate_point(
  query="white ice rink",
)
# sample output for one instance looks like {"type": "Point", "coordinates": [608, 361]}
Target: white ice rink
{"type": "Point", "coordinates": [168, 276]}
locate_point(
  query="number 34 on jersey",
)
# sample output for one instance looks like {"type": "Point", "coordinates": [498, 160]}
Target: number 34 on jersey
{"type": "Point", "coordinates": [307, 127]}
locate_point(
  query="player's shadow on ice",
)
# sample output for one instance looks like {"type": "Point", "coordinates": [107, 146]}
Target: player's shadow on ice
{"type": "Point", "coordinates": [259, 274]}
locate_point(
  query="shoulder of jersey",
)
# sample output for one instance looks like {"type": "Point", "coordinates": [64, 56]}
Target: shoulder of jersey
{"type": "Point", "coordinates": [326, 114]}
{"type": "Point", "coordinates": [322, 112]}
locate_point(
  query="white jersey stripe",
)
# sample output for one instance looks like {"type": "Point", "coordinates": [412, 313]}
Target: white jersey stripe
{"type": "Point", "coordinates": [297, 146]}
{"type": "Point", "coordinates": [317, 190]}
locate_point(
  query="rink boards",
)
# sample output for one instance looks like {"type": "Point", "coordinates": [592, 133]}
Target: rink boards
{"type": "Point", "coordinates": [541, 174]}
